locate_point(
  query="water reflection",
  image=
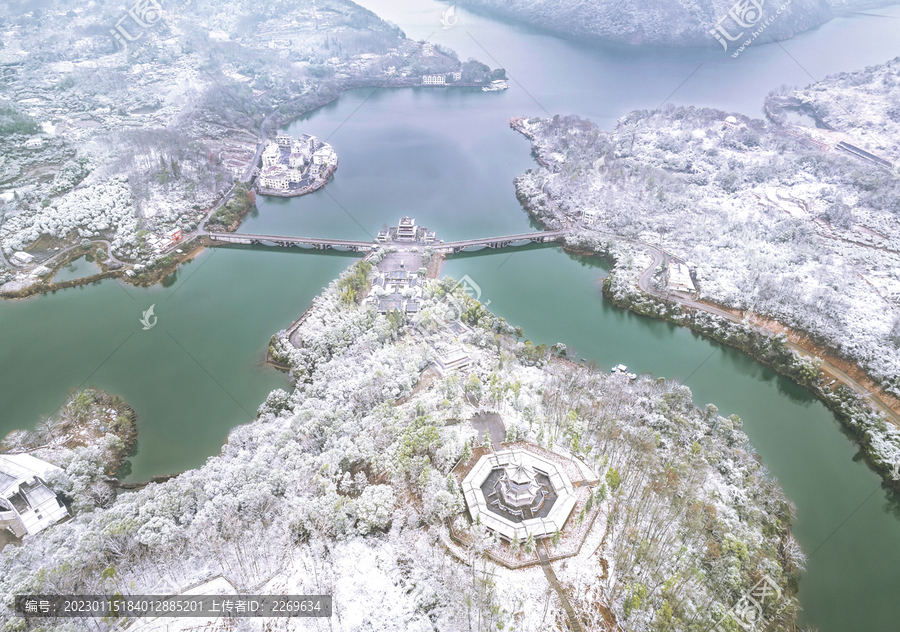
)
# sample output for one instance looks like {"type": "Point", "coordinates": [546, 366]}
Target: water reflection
{"type": "Point", "coordinates": [170, 279]}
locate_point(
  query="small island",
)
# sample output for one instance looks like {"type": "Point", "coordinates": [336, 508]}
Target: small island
{"type": "Point", "coordinates": [294, 167]}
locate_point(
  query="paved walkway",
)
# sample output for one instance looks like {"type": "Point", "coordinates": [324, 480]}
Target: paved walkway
{"type": "Point", "coordinates": [551, 577]}
{"type": "Point", "coordinates": [490, 422]}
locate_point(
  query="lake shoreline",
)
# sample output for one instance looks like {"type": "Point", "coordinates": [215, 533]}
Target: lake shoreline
{"type": "Point", "coordinates": [837, 403]}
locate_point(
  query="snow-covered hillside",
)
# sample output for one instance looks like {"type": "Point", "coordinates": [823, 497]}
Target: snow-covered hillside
{"type": "Point", "coordinates": [768, 221]}
{"type": "Point", "coordinates": [341, 487]}
{"type": "Point", "coordinates": [668, 23]}
{"type": "Point", "coordinates": [129, 141]}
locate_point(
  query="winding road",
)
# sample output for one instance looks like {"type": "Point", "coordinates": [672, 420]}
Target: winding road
{"type": "Point", "coordinates": [661, 258]}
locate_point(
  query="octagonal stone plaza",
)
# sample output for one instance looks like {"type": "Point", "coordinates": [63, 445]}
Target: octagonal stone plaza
{"type": "Point", "coordinates": [518, 493]}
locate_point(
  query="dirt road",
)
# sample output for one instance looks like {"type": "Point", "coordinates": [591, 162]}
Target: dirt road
{"type": "Point", "coordinates": [661, 258]}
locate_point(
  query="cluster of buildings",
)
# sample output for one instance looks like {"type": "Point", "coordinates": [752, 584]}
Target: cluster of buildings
{"type": "Point", "coordinates": [440, 80]}
{"type": "Point", "coordinates": [406, 231]}
{"type": "Point", "coordinates": [296, 166]}
{"type": "Point", "coordinates": [27, 505]}
{"type": "Point", "coordinates": [161, 243]}
{"type": "Point", "coordinates": [399, 289]}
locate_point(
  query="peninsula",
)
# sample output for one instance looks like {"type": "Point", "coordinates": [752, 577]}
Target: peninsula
{"type": "Point", "coordinates": [431, 470]}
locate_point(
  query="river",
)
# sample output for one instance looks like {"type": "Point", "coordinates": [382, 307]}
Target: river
{"type": "Point", "coordinates": [447, 157]}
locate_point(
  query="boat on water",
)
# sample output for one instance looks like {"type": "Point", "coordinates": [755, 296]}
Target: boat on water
{"type": "Point", "coordinates": [496, 86]}
{"type": "Point", "coordinates": [621, 368]}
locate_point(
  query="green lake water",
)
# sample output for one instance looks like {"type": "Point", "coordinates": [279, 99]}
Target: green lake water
{"type": "Point", "coordinates": [77, 269]}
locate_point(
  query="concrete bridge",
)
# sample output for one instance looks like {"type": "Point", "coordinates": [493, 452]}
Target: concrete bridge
{"type": "Point", "coordinates": [287, 242]}
{"type": "Point", "coordinates": [500, 242]}
{"type": "Point", "coordinates": [862, 153]}
{"type": "Point", "coordinates": [367, 246]}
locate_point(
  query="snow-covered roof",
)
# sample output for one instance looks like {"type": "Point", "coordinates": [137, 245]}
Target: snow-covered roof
{"type": "Point", "coordinates": [680, 277]}
{"type": "Point", "coordinates": [18, 467]}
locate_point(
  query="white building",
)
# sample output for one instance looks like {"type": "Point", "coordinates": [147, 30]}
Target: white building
{"type": "Point", "coordinates": [284, 140]}
{"type": "Point", "coordinates": [456, 76]}
{"type": "Point", "coordinates": [520, 501]}
{"type": "Point", "coordinates": [590, 216]}
{"type": "Point", "coordinates": [406, 229]}
{"type": "Point", "coordinates": [732, 123]}
{"type": "Point", "coordinates": [272, 155]}
{"type": "Point", "coordinates": [324, 156]}
{"type": "Point", "coordinates": [22, 258]}
{"type": "Point", "coordinates": [453, 359]}
{"type": "Point", "coordinates": [679, 278]}
{"type": "Point", "coordinates": [27, 505]}
{"type": "Point", "coordinates": [307, 142]}
{"type": "Point", "coordinates": [274, 177]}
{"type": "Point", "coordinates": [433, 80]}
{"type": "Point", "coordinates": [298, 160]}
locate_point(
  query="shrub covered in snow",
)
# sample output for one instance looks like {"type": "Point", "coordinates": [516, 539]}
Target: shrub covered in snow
{"type": "Point", "coordinates": [104, 208]}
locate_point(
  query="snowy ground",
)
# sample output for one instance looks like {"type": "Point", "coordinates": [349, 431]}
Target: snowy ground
{"type": "Point", "coordinates": [339, 488]}
{"type": "Point", "coordinates": [101, 141]}
{"type": "Point", "coordinates": [766, 221]}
